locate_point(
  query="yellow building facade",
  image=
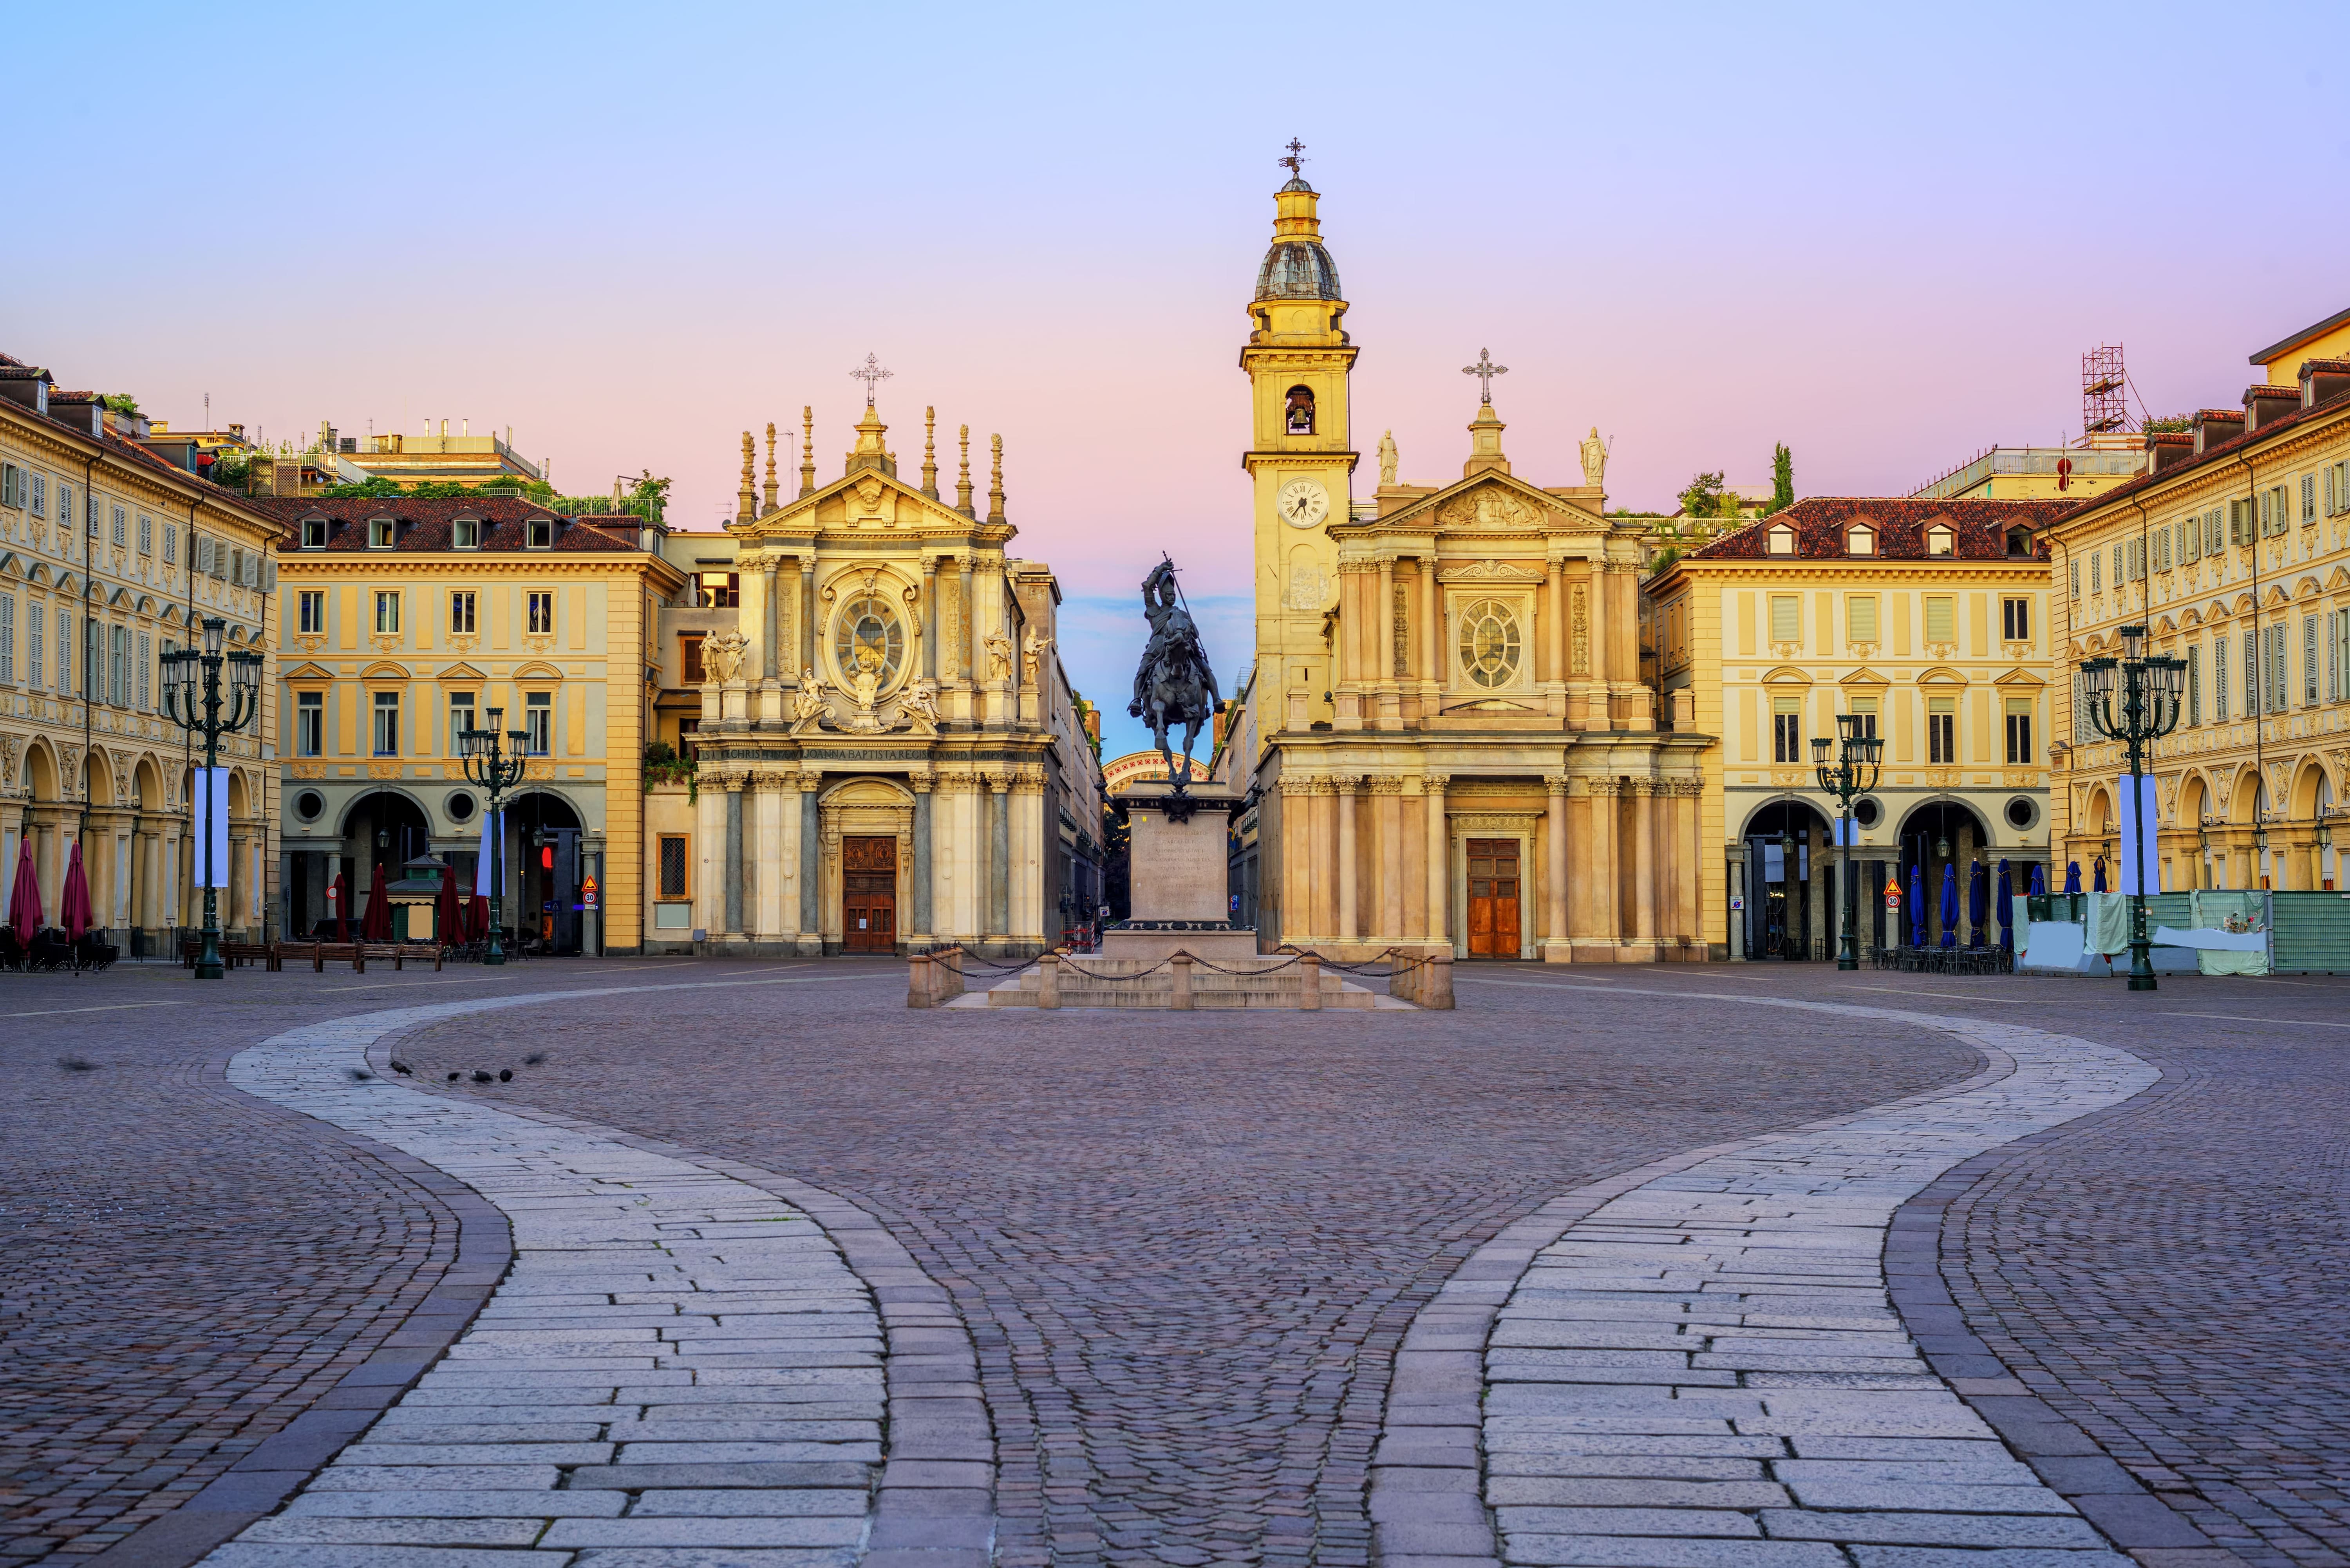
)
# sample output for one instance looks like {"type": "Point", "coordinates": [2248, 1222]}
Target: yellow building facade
{"type": "Point", "coordinates": [1446, 726]}
{"type": "Point", "coordinates": [405, 620]}
{"type": "Point", "coordinates": [1929, 619]}
{"type": "Point", "coordinates": [112, 556]}
{"type": "Point", "coordinates": [2235, 553]}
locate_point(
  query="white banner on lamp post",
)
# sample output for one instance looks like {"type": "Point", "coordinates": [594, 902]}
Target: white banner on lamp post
{"type": "Point", "coordinates": [493, 836]}
{"type": "Point", "coordinates": [2140, 833]}
{"type": "Point", "coordinates": [208, 806]}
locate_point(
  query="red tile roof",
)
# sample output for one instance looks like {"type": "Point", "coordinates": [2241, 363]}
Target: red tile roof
{"type": "Point", "coordinates": [1820, 522]}
{"type": "Point", "coordinates": [429, 519]}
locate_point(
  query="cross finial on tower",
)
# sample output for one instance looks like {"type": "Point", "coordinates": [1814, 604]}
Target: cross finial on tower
{"type": "Point", "coordinates": [1297, 158]}
{"type": "Point", "coordinates": [1484, 369]}
{"type": "Point", "coordinates": [871, 374]}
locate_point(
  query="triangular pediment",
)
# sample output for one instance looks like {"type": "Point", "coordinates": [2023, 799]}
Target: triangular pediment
{"type": "Point", "coordinates": [305, 671]}
{"type": "Point", "coordinates": [2019, 676]}
{"type": "Point", "coordinates": [462, 672]}
{"type": "Point", "coordinates": [1864, 676]}
{"type": "Point", "coordinates": [866, 498]}
{"type": "Point", "coordinates": [1488, 502]}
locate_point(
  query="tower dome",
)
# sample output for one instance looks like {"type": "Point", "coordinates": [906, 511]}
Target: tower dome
{"type": "Point", "coordinates": [1296, 266]}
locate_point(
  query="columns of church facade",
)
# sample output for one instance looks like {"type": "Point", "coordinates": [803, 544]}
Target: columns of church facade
{"type": "Point", "coordinates": [1324, 923]}
{"type": "Point", "coordinates": [1555, 878]}
{"type": "Point", "coordinates": [999, 856]}
{"type": "Point", "coordinates": [732, 920]}
{"type": "Point", "coordinates": [966, 623]}
{"type": "Point", "coordinates": [1555, 582]}
{"type": "Point", "coordinates": [1644, 865]}
{"type": "Point", "coordinates": [930, 668]}
{"type": "Point", "coordinates": [1349, 859]}
{"type": "Point", "coordinates": [1431, 639]}
{"type": "Point", "coordinates": [810, 861]}
{"type": "Point", "coordinates": [1592, 701]}
{"type": "Point", "coordinates": [1438, 889]}
{"type": "Point", "coordinates": [1387, 856]}
{"type": "Point", "coordinates": [920, 881]}
{"type": "Point", "coordinates": [1687, 926]}
{"type": "Point", "coordinates": [1393, 634]}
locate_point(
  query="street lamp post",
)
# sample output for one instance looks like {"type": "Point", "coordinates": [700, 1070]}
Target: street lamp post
{"type": "Point", "coordinates": [2150, 685]}
{"type": "Point", "coordinates": [1853, 772]}
{"type": "Point", "coordinates": [193, 701]}
{"type": "Point", "coordinates": [491, 770]}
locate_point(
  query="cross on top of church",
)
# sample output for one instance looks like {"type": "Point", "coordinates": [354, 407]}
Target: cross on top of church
{"type": "Point", "coordinates": [1296, 159]}
{"type": "Point", "coordinates": [870, 373]}
{"type": "Point", "coordinates": [1484, 369]}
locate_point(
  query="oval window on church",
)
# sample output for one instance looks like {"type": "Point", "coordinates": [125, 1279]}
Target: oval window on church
{"type": "Point", "coordinates": [1489, 642]}
{"type": "Point", "coordinates": [869, 636]}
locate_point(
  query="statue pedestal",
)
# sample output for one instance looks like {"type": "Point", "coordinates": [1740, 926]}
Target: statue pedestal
{"type": "Point", "coordinates": [1178, 878]}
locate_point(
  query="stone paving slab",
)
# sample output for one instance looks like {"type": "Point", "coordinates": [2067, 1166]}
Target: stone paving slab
{"type": "Point", "coordinates": [573, 1415]}
{"type": "Point", "coordinates": [1739, 1293]}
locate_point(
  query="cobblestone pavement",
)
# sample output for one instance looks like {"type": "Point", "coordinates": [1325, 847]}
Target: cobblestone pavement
{"type": "Point", "coordinates": [184, 1270]}
{"type": "Point", "coordinates": [1187, 1247]}
{"type": "Point", "coordinates": [2168, 1275]}
{"type": "Point", "coordinates": [679, 1360]}
{"type": "Point", "coordinates": [1703, 1357]}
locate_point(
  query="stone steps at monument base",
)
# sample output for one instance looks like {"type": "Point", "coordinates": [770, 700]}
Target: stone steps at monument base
{"type": "Point", "coordinates": [1209, 991]}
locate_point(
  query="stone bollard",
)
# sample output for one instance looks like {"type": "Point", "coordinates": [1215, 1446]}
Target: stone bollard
{"type": "Point", "coordinates": [1048, 988]}
{"type": "Point", "coordinates": [918, 982]}
{"type": "Point", "coordinates": [1436, 982]}
{"type": "Point", "coordinates": [1309, 986]}
{"type": "Point", "coordinates": [1403, 977]}
{"type": "Point", "coordinates": [1182, 965]}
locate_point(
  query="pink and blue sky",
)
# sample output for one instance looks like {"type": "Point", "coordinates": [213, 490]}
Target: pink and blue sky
{"type": "Point", "coordinates": [1882, 234]}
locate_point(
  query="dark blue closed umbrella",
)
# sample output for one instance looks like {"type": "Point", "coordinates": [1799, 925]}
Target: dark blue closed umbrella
{"type": "Point", "coordinates": [1950, 906]}
{"type": "Point", "coordinates": [1916, 907]}
{"type": "Point", "coordinates": [2039, 888]}
{"type": "Point", "coordinates": [2071, 877]}
{"type": "Point", "coordinates": [2099, 884]}
{"type": "Point", "coordinates": [1977, 902]}
{"type": "Point", "coordinates": [2003, 911]}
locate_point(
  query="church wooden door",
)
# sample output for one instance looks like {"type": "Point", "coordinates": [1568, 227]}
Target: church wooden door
{"type": "Point", "coordinates": [868, 895]}
{"type": "Point", "coordinates": [1493, 898]}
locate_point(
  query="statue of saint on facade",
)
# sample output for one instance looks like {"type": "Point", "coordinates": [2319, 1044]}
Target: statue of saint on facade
{"type": "Point", "coordinates": [1389, 461]}
{"type": "Point", "coordinates": [1595, 457]}
{"type": "Point", "coordinates": [1173, 685]}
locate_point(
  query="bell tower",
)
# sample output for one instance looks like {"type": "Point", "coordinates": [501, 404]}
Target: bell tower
{"type": "Point", "coordinates": [1301, 457]}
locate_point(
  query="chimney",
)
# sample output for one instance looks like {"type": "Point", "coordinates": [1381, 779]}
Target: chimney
{"type": "Point", "coordinates": [2265, 404]}
{"type": "Point", "coordinates": [2168, 447]}
{"type": "Point", "coordinates": [2215, 426]}
{"type": "Point", "coordinates": [2323, 380]}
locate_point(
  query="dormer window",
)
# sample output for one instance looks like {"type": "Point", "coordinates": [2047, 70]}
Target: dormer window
{"type": "Point", "coordinates": [1781, 540]}
{"type": "Point", "coordinates": [2019, 543]}
{"type": "Point", "coordinates": [539, 534]}
{"type": "Point", "coordinates": [465, 534]}
{"type": "Point", "coordinates": [1298, 420]}
{"type": "Point", "coordinates": [379, 533]}
{"type": "Point", "coordinates": [1860, 539]}
{"type": "Point", "coordinates": [314, 533]}
{"type": "Point", "coordinates": [1941, 540]}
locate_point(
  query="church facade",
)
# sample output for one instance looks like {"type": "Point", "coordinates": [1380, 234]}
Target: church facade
{"type": "Point", "coordinates": [1446, 726]}
{"type": "Point", "coordinates": [889, 755]}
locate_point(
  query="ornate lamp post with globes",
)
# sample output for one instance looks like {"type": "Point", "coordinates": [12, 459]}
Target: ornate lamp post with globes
{"type": "Point", "coordinates": [2150, 686]}
{"type": "Point", "coordinates": [193, 699]}
{"type": "Point", "coordinates": [1854, 772]}
{"type": "Point", "coordinates": [494, 771]}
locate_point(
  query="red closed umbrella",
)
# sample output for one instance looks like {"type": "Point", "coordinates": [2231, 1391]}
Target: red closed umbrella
{"type": "Point", "coordinates": [73, 907]}
{"type": "Point", "coordinates": [449, 922]}
{"type": "Point", "coordinates": [25, 897]}
{"type": "Point", "coordinates": [338, 898]}
{"type": "Point", "coordinates": [376, 927]}
{"type": "Point", "coordinates": [480, 918]}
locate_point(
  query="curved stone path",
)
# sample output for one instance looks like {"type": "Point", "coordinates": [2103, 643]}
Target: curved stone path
{"type": "Point", "coordinates": [679, 1361]}
{"type": "Point", "coordinates": [1700, 1361]}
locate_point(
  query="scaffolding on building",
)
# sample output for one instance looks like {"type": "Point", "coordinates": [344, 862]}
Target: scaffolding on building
{"type": "Point", "coordinates": [2104, 406]}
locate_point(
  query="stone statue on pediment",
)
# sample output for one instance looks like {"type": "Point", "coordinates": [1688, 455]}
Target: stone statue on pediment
{"type": "Point", "coordinates": [1389, 461]}
{"type": "Point", "coordinates": [1595, 458]}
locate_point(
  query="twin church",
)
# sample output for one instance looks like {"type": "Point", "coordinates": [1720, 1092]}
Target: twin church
{"type": "Point", "coordinates": [1446, 726]}
{"type": "Point", "coordinates": [1444, 729]}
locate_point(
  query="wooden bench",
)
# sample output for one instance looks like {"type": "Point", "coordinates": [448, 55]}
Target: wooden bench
{"type": "Point", "coordinates": [233, 954]}
{"type": "Point", "coordinates": [357, 954]}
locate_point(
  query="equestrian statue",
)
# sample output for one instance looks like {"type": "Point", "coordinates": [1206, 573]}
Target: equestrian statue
{"type": "Point", "coordinates": [1173, 685]}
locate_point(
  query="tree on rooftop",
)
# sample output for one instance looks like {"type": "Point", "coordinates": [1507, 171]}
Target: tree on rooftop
{"type": "Point", "coordinates": [1701, 497]}
{"type": "Point", "coordinates": [1782, 477]}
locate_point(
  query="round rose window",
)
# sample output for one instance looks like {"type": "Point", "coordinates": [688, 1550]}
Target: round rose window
{"type": "Point", "coordinates": [1489, 643]}
{"type": "Point", "coordinates": [869, 636]}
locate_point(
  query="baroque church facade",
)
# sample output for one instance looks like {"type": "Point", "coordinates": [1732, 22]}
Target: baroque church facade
{"type": "Point", "coordinates": [1446, 727]}
{"type": "Point", "coordinates": [890, 756]}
